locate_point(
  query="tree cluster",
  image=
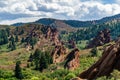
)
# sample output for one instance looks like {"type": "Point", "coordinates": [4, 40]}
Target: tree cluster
{"type": "Point", "coordinates": [41, 59]}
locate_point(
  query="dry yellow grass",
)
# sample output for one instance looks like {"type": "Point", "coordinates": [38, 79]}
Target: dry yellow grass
{"type": "Point", "coordinates": [8, 59]}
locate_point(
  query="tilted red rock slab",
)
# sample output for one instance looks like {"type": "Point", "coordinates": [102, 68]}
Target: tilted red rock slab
{"type": "Point", "coordinates": [109, 61]}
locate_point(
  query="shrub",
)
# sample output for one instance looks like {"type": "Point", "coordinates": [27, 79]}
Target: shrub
{"type": "Point", "coordinates": [94, 52]}
{"type": "Point", "coordinates": [70, 76]}
{"type": "Point", "coordinates": [115, 74]}
{"type": "Point", "coordinates": [58, 74]}
{"type": "Point", "coordinates": [27, 74]}
{"type": "Point", "coordinates": [6, 74]}
{"type": "Point", "coordinates": [102, 78]}
{"type": "Point", "coordinates": [34, 78]}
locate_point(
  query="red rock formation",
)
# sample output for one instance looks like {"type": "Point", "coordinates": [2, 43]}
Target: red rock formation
{"type": "Point", "coordinates": [72, 60]}
{"type": "Point", "coordinates": [102, 38]}
{"type": "Point", "coordinates": [58, 54]}
{"type": "Point", "coordinates": [53, 35]}
{"type": "Point", "coordinates": [109, 61]}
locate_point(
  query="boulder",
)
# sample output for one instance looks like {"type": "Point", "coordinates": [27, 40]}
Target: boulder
{"type": "Point", "coordinates": [58, 54]}
{"type": "Point", "coordinates": [72, 60]}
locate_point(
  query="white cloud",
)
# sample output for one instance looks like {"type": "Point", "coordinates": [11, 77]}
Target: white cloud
{"type": "Point", "coordinates": [20, 20]}
{"type": "Point", "coordinates": [13, 10]}
{"type": "Point", "coordinates": [118, 1]}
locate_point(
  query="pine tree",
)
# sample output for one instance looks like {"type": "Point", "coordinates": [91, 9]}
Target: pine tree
{"type": "Point", "coordinates": [8, 31]}
{"type": "Point", "coordinates": [3, 37]}
{"type": "Point", "coordinates": [32, 42]}
{"type": "Point", "coordinates": [48, 58]}
{"type": "Point", "coordinates": [36, 57]}
{"type": "Point", "coordinates": [41, 60]}
{"type": "Point", "coordinates": [16, 38]}
{"type": "Point", "coordinates": [13, 47]}
{"type": "Point", "coordinates": [43, 64]}
{"type": "Point", "coordinates": [18, 71]}
{"type": "Point", "coordinates": [12, 43]}
{"type": "Point", "coordinates": [22, 40]}
{"type": "Point", "coordinates": [30, 58]}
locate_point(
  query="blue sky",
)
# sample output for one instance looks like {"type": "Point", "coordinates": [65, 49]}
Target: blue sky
{"type": "Point", "coordinates": [13, 11]}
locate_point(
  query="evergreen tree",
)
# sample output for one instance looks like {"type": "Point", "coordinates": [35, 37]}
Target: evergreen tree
{"type": "Point", "coordinates": [18, 71]}
{"type": "Point", "coordinates": [43, 64]}
{"type": "Point", "coordinates": [30, 58]}
{"type": "Point", "coordinates": [32, 42]}
{"type": "Point", "coordinates": [3, 37]}
{"type": "Point", "coordinates": [22, 40]}
{"type": "Point", "coordinates": [12, 44]}
{"type": "Point", "coordinates": [41, 60]}
{"type": "Point", "coordinates": [16, 38]}
{"type": "Point", "coordinates": [8, 31]}
{"type": "Point", "coordinates": [48, 58]}
{"type": "Point", "coordinates": [36, 57]}
{"type": "Point", "coordinates": [13, 47]}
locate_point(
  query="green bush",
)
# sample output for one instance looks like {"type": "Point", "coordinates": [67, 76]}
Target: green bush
{"type": "Point", "coordinates": [58, 74]}
{"type": "Point", "coordinates": [5, 74]}
{"type": "Point", "coordinates": [70, 76]}
{"type": "Point", "coordinates": [115, 74]}
{"type": "Point", "coordinates": [102, 78]}
{"type": "Point", "coordinates": [35, 78]}
{"type": "Point", "coordinates": [94, 52]}
{"type": "Point", "coordinates": [27, 74]}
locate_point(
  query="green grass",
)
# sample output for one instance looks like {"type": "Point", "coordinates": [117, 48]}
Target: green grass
{"type": "Point", "coordinates": [8, 59]}
{"type": "Point", "coordinates": [3, 48]}
{"type": "Point", "coordinates": [82, 44]}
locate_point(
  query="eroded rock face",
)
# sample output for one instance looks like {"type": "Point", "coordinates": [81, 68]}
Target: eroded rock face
{"type": "Point", "coordinates": [72, 60]}
{"type": "Point", "coordinates": [58, 54]}
{"type": "Point", "coordinates": [53, 35]}
{"type": "Point", "coordinates": [102, 38]}
{"type": "Point", "coordinates": [109, 61]}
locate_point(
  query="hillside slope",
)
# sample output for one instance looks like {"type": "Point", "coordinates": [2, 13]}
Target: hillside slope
{"type": "Point", "coordinates": [75, 23]}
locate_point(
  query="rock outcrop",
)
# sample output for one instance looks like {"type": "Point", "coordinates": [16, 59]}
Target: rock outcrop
{"type": "Point", "coordinates": [109, 61]}
{"type": "Point", "coordinates": [58, 54]}
{"type": "Point", "coordinates": [72, 60]}
{"type": "Point", "coordinates": [102, 38]}
{"type": "Point", "coordinates": [53, 35]}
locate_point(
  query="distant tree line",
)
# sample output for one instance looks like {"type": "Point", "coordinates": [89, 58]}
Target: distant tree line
{"type": "Point", "coordinates": [90, 32]}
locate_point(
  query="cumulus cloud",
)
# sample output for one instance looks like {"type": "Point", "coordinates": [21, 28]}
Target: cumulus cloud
{"type": "Point", "coordinates": [12, 11]}
{"type": "Point", "coordinates": [23, 20]}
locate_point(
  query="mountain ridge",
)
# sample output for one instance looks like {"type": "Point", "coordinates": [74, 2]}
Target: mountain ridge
{"type": "Point", "coordinates": [74, 23]}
